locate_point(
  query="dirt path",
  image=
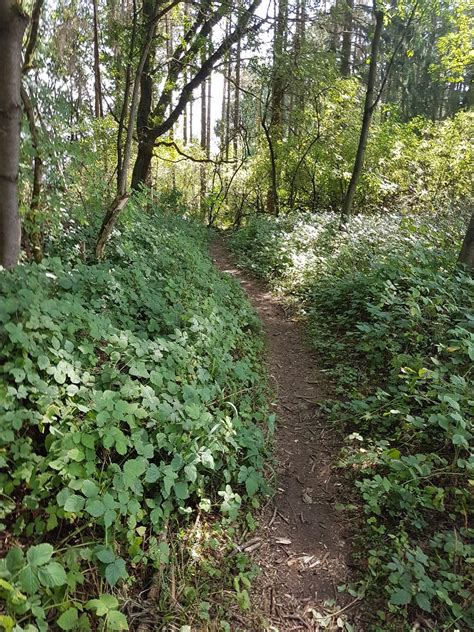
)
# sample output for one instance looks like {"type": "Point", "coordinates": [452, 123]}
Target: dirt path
{"type": "Point", "coordinates": [303, 552]}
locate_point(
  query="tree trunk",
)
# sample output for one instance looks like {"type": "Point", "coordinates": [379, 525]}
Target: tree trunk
{"type": "Point", "coordinates": [145, 150]}
{"type": "Point", "coordinates": [347, 39]}
{"type": "Point", "coordinates": [12, 27]}
{"type": "Point", "coordinates": [208, 113]}
{"type": "Point", "coordinates": [466, 256]}
{"type": "Point", "coordinates": [228, 108]}
{"type": "Point", "coordinates": [185, 116]}
{"type": "Point", "coordinates": [275, 132]}
{"type": "Point", "coordinates": [142, 164]}
{"type": "Point", "coordinates": [222, 130]}
{"type": "Point", "coordinates": [34, 232]}
{"type": "Point", "coordinates": [237, 100]}
{"type": "Point", "coordinates": [369, 106]}
{"type": "Point", "coordinates": [98, 108]}
{"type": "Point", "coordinates": [202, 168]}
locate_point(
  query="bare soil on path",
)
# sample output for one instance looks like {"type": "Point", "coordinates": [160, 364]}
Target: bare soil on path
{"type": "Point", "coordinates": [302, 544]}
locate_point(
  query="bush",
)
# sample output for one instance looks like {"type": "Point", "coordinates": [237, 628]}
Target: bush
{"type": "Point", "coordinates": [132, 396]}
{"type": "Point", "coordinates": [386, 302]}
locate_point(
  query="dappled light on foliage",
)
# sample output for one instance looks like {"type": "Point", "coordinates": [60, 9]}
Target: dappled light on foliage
{"type": "Point", "coordinates": [183, 450]}
{"type": "Point", "coordinates": [393, 320]}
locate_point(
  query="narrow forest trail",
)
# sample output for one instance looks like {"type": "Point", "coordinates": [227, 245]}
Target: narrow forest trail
{"type": "Point", "coordinates": [301, 546]}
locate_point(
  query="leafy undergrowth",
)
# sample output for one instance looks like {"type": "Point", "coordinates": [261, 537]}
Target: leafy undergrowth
{"type": "Point", "coordinates": [133, 427]}
{"type": "Point", "coordinates": [393, 316]}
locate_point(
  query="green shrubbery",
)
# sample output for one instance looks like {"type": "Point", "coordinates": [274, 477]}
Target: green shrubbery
{"type": "Point", "coordinates": [386, 294]}
{"type": "Point", "coordinates": [131, 397]}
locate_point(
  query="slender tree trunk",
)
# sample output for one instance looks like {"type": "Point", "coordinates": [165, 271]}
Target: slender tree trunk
{"type": "Point", "coordinates": [237, 100]}
{"type": "Point", "coordinates": [99, 112]}
{"type": "Point", "coordinates": [202, 168]}
{"type": "Point", "coordinates": [185, 115]}
{"type": "Point", "coordinates": [12, 27]}
{"type": "Point", "coordinates": [146, 93]}
{"type": "Point", "coordinates": [223, 113]}
{"type": "Point", "coordinates": [466, 256]}
{"type": "Point", "coordinates": [369, 107]}
{"type": "Point", "coordinates": [347, 39]}
{"type": "Point", "coordinates": [228, 109]}
{"type": "Point", "coordinates": [33, 235]}
{"type": "Point", "coordinates": [126, 98]}
{"type": "Point", "coordinates": [145, 149]}
{"type": "Point", "coordinates": [33, 227]}
{"type": "Point", "coordinates": [208, 113]}
{"type": "Point", "coordinates": [275, 131]}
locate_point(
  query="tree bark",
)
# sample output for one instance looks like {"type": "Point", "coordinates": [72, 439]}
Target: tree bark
{"type": "Point", "coordinates": [33, 230]}
{"type": "Point", "coordinates": [466, 256]}
{"type": "Point", "coordinates": [237, 101]}
{"type": "Point", "coordinates": [369, 107]}
{"type": "Point", "coordinates": [202, 168]}
{"type": "Point", "coordinates": [228, 108]}
{"type": "Point", "coordinates": [275, 131]}
{"type": "Point", "coordinates": [180, 56]}
{"type": "Point", "coordinates": [347, 39]}
{"type": "Point", "coordinates": [208, 113]}
{"type": "Point", "coordinates": [12, 27]}
{"type": "Point", "coordinates": [33, 234]}
{"type": "Point", "coordinates": [98, 108]}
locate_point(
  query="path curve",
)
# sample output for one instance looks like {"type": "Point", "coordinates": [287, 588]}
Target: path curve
{"type": "Point", "coordinates": [303, 551]}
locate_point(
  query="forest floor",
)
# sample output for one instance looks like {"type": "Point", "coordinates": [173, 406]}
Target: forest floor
{"type": "Point", "coordinates": [303, 545]}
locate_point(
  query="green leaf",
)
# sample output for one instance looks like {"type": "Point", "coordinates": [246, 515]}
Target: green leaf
{"type": "Point", "coordinates": [207, 459]}
{"type": "Point", "coordinates": [68, 619]}
{"type": "Point", "coordinates": [4, 585]}
{"type": "Point", "coordinates": [152, 474]}
{"type": "Point", "coordinates": [116, 571]}
{"type": "Point", "coordinates": [106, 555]}
{"type": "Point", "coordinates": [193, 411]}
{"type": "Point", "coordinates": [89, 488]}
{"type": "Point", "coordinates": [96, 508]}
{"type": "Point", "coordinates": [103, 605]}
{"type": "Point", "coordinates": [6, 623]}
{"type": "Point", "coordinates": [400, 597]}
{"type": "Point", "coordinates": [109, 517]}
{"type": "Point", "coordinates": [52, 575]}
{"type": "Point", "coordinates": [39, 554]}
{"type": "Point", "coordinates": [43, 362]}
{"type": "Point", "coordinates": [28, 580]}
{"type": "Point", "coordinates": [117, 620]}
{"type": "Point", "coordinates": [251, 485]}
{"type": "Point", "coordinates": [15, 559]}
{"type": "Point", "coordinates": [458, 439]}
{"type": "Point", "coordinates": [133, 469]}
{"type": "Point", "coordinates": [74, 504]}
{"type": "Point", "coordinates": [423, 601]}
{"type": "Point", "coordinates": [181, 490]}
{"type": "Point", "coordinates": [191, 472]}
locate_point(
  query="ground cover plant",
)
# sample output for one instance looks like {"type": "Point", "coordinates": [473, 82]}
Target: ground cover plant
{"type": "Point", "coordinates": [392, 316]}
{"type": "Point", "coordinates": [132, 407]}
